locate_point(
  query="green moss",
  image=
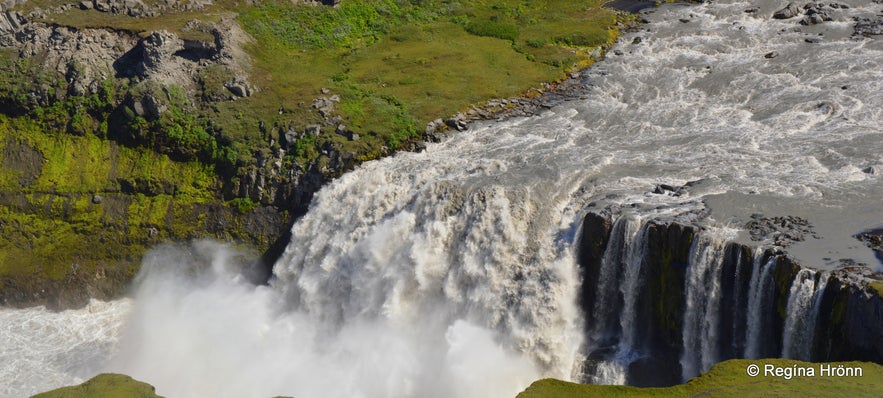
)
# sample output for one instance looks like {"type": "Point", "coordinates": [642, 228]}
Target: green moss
{"type": "Point", "coordinates": [783, 277]}
{"type": "Point", "coordinates": [838, 309]}
{"type": "Point", "coordinates": [729, 379]}
{"type": "Point", "coordinates": [94, 206]}
{"type": "Point", "coordinates": [107, 385]}
{"type": "Point", "coordinates": [877, 286]}
{"type": "Point", "coordinates": [666, 289]}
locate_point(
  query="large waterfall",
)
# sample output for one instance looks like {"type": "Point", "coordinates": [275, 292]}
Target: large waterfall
{"type": "Point", "coordinates": [456, 271]}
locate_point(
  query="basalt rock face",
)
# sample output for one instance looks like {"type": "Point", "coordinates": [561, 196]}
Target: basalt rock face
{"type": "Point", "coordinates": [751, 298]}
{"type": "Point", "coordinates": [851, 319]}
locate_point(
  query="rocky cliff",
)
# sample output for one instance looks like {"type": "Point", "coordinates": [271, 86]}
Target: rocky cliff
{"type": "Point", "coordinates": [750, 298]}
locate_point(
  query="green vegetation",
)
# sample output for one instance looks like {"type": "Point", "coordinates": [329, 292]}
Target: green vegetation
{"type": "Point", "coordinates": [91, 178]}
{"type": "Point", "coordinates": [80, 210]}
{"type": "Point", "coordinates": [730, 379]}
{"type": "Point", "coordinates": [107, 385]}
{"type": "Point", "coordinates": [877, 286]}
{"type": "Point", "coordinates": [397, 64]}
{"type": "Point", "coordinates": [726, 379]}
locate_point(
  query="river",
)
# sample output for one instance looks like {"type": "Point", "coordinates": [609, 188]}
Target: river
{"type": "Point", "coordinates": [452, 272]}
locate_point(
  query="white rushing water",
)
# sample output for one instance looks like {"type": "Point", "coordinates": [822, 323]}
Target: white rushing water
{"type": "Point", "coordinates": [801, 314]}
{"type": "Point", "coordinates": [759, 302]}
{"type": "Point", "coordinates": [703, 292]}
{"type": "Point", "coordinates": [451, 272]}
{"type": "Point", "coordinates": [40, 349]}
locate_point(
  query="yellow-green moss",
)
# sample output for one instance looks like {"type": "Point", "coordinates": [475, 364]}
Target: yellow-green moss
{"type": "Point", "coordinates": [877, 286]}
{"type": "Point", "coordinates": [107, 385]}
{"type": "Point", "coordinates": [76, 219]}
{"type": "Point", "coordinates": [730, 379]}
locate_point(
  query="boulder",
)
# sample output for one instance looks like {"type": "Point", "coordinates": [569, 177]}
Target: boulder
{"type": "Point", "coordinates": [157, 48]}
{"type": "Point", "coordinates": [814, 14]}
{"type": "Point", "coordinates": [790, 11]}
{"type": "Point", "coordinates": [457, 122]}
{"type": "Point", "coordinates": [868, 26]}
{"type": "Point", "coordinates": [10, 22]}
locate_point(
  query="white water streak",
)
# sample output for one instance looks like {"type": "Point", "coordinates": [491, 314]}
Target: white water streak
{"type": "Point", "coordinates": [758, 304]}
{"type": "Point", "coordinates": [703, 294]}
{"type": "Point", "coordinates": [802, 312]}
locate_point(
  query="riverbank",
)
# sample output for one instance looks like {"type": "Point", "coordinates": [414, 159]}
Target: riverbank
{"type": "Point", "coordinates": [109, 104]}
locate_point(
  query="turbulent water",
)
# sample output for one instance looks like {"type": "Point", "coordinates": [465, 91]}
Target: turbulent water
{"type": "Point", "coordinates": [451, 272]}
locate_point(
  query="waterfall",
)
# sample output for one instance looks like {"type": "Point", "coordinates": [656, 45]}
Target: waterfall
{"type": "Point", "coordinates": [425, 254]}
{"type": "Point", "coordinates": [804, 300]}
{"type": "Point", "coordinates": [609, 297]}
{"type": "Point", "coordinates": [758, 303]}
{"type": "Point", "coordinates": [700, 330]}
{"type": "Point", "coordinates": [619, 285]}
{"type": "Point", "coordinates": [630, 288]}
{"type": "Point", "coordinates": [737, 309]}
{"type": "Point", "coordinates": [451, 272]}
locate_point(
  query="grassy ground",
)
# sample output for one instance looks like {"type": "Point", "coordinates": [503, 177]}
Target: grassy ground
{"type": "Point", "coordinates": [730, 379]}
{"type": "Point", "coordinates": [398, 65]}
{"type": "Point", "coordinates": [395, 64]}
{"type": "Point", "coordinates": [105, 385]}
{"type": "Point", "coordinates": [726, 379]}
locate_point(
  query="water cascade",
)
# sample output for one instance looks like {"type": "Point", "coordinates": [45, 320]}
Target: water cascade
{"type": "Point", "coordinates": [690, 297]}
{"type": "Point", "coordinates": [758, 306]}
{"type": "Point", "coordinates": [703, 292]}
{"type": "Point", "coordinates": [545, 246]}
{"type": "Point", "coordinates": [802, 312]}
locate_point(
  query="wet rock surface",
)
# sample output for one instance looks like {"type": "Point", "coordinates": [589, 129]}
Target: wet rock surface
{"type": "Point", "coordinates": [874, 240]}
{"type": "Point", "coordinates": [780, 231]}
{"type": "Point", "coordinates": [869, 26]}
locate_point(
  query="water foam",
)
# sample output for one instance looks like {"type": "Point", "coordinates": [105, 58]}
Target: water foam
{"type": "Point", "coordinates": [416, 275]}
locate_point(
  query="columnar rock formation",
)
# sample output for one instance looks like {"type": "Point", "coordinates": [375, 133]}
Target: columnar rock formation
{"type": "Point", "coordinates": [689, 300]}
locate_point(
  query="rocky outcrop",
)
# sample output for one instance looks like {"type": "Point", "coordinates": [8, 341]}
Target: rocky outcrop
{"type": "Point", "coordinates": [87, 58]}
{"type": "Point", "coordinates": [813, 13]}
{"type": "Point", "coordinates": [851, 319]}
{"type": "Point", "coordinates": [874, 240]}
{"type": "Point", "coordinates": [790, 11]}
{"type": "Point", "coordinates": [869, 26]}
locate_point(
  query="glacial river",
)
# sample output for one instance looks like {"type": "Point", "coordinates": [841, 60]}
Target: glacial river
{"type": "Point", "coordinates": [451, 272]}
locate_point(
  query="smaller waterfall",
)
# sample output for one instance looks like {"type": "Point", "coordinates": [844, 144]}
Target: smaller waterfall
{"type": "Point", "coordinates": [802, 312]}
{"type": "Point", "coordinates": [609, 296]}
{"type": "Point", "coordinates": [724, 305]}
{"type": "Point", "coordinates": [758, 303]}
{"type": "Point", "coordinates": [703, 287]}
{"type": "Point", "coordinates": [737, 308]}
{"type": "Point", "coordinates": [616, 319]}
{"type": "Point", "coordinates": [630, 290]}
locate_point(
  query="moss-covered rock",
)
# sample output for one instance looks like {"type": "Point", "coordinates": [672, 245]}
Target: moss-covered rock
{"type": "Point", "coordinates": [77, 213]}
{"type": "Point", "coordinates": [107, 385]}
